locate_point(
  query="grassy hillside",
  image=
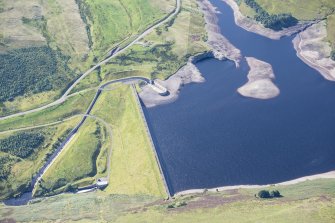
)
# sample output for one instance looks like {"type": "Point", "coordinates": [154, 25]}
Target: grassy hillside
{"type": "Point", "coordinates": [308, 202]}
{"type": "Point", "coordinates": [134, 169]}
{"type": "Point", "coordinates": [161, 53]}
{"type": "Point", "coordinates": [23, 153]}
{"type": "Point", "coordinates": [64, 38]}
{"type": "Point", "coordinates": [77, 164]}
{"type": "Point", "coordinates": [74, 105]}
{"type": "Point", "coordinates": [110, 22]}
{"type": "Point", "coordinates": [300, 9]}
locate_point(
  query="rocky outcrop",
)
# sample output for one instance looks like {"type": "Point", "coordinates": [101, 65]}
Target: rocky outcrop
{"type": "Point", "coordinates": [255, 27]}
{"type": "Point", "coordinates": [221, 47]}
{"type": "Point", "coordinates": [312, 48]}
{"type": "Point", "coordinates": [259, 83]}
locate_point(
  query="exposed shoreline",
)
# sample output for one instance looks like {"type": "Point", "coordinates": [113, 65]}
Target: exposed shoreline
{"type": "Point", "coordinates": [259, 83]}
{"type": "Point", "coordinates": [221, 47]}
{"type": "Point", "coordinates": [187, 74]}
{"type": "Point", "coordinates": [327, 175]}
{"type": "Point", "coordinates": [314, 51]}
{"type": "Point", "coordinates": [255, 27]}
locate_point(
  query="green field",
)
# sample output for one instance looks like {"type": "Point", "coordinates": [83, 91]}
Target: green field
{"type": "Point", "coordinates": [22, 167]}
{"type": "Point", "coordinates": [110, 22]}
{"type": "Point", "coordinates": [134, 170]}
{"type": "Point", "coordinates": [77, 164]}
{"type": "Point", "coordinates": [308, 202]}
{"type": "Point", "coordinates": [74, 105]}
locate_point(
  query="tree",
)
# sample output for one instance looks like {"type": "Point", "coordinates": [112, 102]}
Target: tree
{"type": "Point", "coordinates": [264, 194]}
{"type": "Point", "coordinates": [275, 193]}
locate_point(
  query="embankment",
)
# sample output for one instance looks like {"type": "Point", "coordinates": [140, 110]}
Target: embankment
{"type": "Point", "coordinates": [312, 48]}
{"type": "Point", "coordinates": [221, 47]}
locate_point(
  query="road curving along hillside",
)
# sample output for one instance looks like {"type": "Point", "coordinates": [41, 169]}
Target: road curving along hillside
{"type": "Point", "coordinates": [115, 53]}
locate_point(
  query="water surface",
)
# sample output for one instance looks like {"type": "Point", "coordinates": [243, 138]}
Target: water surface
{"type": "Point", "coordinates": [211, 136]}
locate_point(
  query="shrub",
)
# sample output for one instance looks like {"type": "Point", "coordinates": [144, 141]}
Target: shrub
{"type": "Point", "coordinates": [6, 163]}
{"type": "Point", "coordinates": [275, 193]}
{"type": "Point", "coordinates": [267, 194]}
{"type": "Point", "coordinates": [264, 194]}
{"type": "Point", "coordinates": [70, 188]}
{"type": "Point", "coordinates": [177, 204]}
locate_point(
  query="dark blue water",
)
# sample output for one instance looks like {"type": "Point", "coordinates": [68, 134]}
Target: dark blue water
{"type": "Point", "coordinates": [211, 136]}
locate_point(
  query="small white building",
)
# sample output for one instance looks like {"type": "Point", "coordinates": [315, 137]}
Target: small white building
{"type": "Point", "coordinates": [102, 182]}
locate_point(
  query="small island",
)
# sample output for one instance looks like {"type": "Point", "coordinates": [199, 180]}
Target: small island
{"type": "Point", "coordinates": [259, 83]}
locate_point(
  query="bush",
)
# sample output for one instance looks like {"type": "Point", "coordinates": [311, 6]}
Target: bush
{"type": "Point", "coordinates": [177, 204]}
{"type": "Point", "coordinates": [267, 194]}
{"type": "Point", "coordinates": [264, 194]}
{"type": "Point", "coordinates": [71, 188]}
{"type": "Point", "coordinates": [275, 193]}
{"type": "Point", "coordinates": [6, 163]}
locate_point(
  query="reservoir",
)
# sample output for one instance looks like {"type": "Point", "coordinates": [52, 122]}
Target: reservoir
{"type": "Point", "coordinates": [211, 136]}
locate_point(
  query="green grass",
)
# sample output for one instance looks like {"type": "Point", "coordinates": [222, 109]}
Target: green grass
{"type": "Point", "coordinates": [161, 53]}
{"type": "Point", "coordinates": [133, 166]}
{"type": "Point", "coordinates": [246, 10]}
{"type": "Point", "coordinates": [331, 30]}
{"type": "Point", "coordinates": [310, 202]}
{"type": "Point", "coordinates": [112, 21]}
{"type": "Point", "coordinates": [23, 169]}
{"type": "Point", "coordinates": [300, 9]}
{"type": "Point", "coordinates": [77, 161]}
{"type": "Point", "coordinates": [74, 105]}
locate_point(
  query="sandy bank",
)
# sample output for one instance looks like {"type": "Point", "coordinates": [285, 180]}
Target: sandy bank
{"type": "Point", "coordinates": [259, 83]}
{"type": "Point", "coordinates": [187, 74]}
{"type": "Point", "coordinates": [312, 48]}
{"type": "Point", "coordinates": [328, 175]}
{"type": "Point", "coordinates": [255, 27]}
{"type": "Point", "coordinates": [221, 47]}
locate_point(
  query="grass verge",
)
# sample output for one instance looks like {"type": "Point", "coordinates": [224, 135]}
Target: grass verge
{"type": "Point", "coordinates": [310, 202]}
{"type": "Point", "coordinates": [74, 105]}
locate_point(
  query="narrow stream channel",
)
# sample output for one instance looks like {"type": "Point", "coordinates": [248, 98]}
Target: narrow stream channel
{"type": "Point", "coordinates": [211, 136]}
